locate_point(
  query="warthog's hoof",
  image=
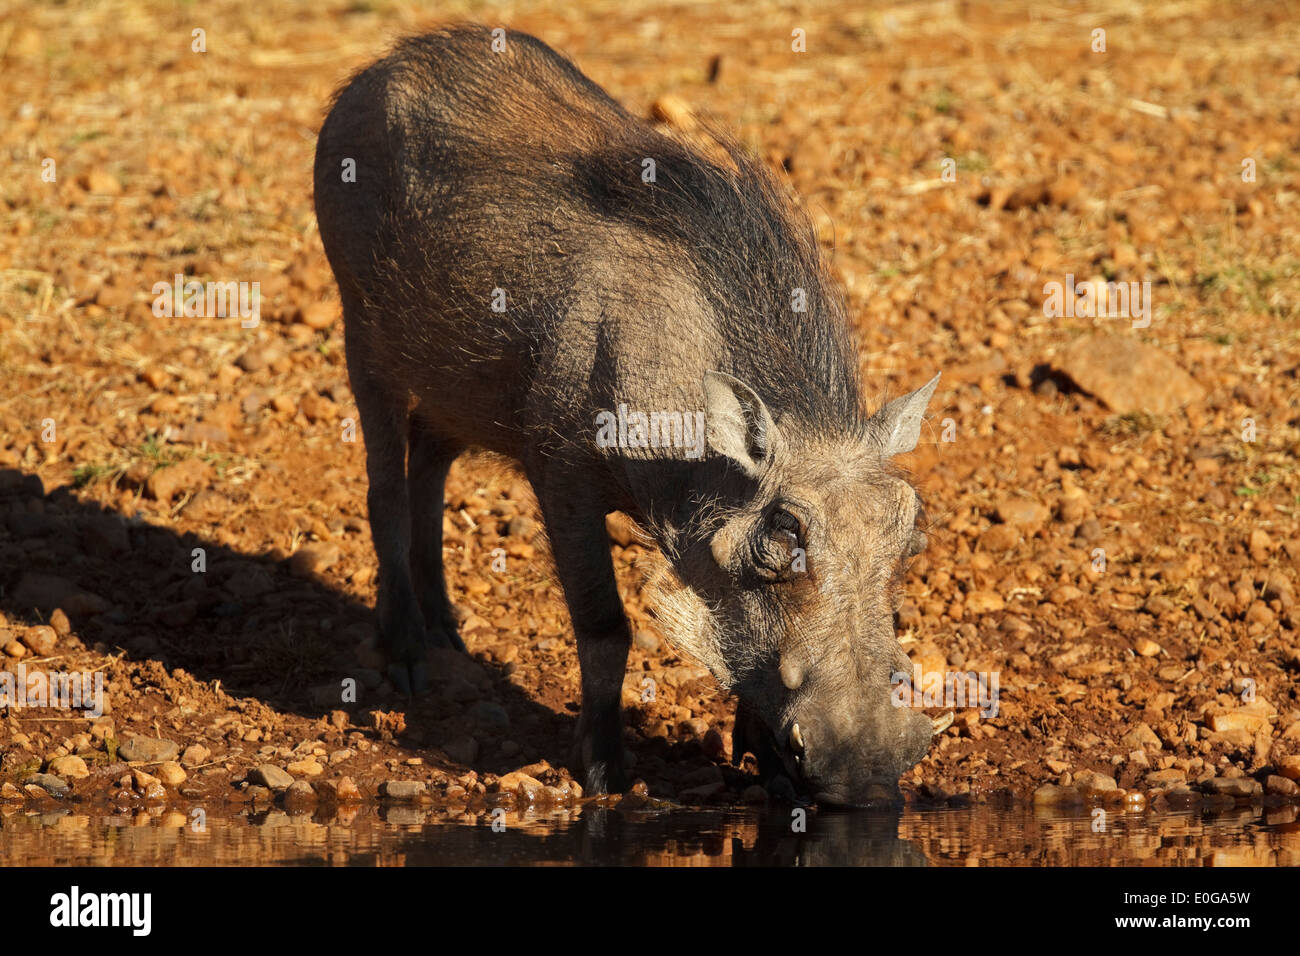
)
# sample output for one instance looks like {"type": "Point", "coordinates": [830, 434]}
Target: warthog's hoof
{"type": "Point", "coordinates": [409, 678]}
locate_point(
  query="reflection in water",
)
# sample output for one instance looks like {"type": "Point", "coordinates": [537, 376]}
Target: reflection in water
{"type": "Point", "coordinates": [408, 836]}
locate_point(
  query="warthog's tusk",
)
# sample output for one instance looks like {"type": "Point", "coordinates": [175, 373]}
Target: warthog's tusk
{"type": "Point", "coordinates": [796, 739]}
{"type": "Point", "coordinates": [942, 723]}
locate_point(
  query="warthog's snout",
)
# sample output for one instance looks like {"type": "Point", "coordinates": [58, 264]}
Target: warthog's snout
{"type": "Point", "coordinates": [855, 759]}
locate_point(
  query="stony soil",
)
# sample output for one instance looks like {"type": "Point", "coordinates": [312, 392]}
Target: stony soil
{"type": "Point", "coordinates": [1108, 533]}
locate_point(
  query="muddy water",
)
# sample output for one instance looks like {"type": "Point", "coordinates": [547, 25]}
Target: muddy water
{"type": "Point", "coordinates": [401, 836]}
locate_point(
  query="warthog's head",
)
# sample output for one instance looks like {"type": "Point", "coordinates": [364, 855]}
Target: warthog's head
{"type": "Point", "coordinates": [784, 581]}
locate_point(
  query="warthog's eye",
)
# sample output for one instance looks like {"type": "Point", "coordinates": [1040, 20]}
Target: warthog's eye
{"type": "Point", "coordinates": [775, 547]}
{"type": "Point", "coordinates": [783, 522]}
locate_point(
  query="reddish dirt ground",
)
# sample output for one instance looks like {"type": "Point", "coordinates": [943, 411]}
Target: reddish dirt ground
{"type": "Point", "coordinates": [1115, 537]}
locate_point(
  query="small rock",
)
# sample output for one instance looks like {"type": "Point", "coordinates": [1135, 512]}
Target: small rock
{"type": "Point", "coordinates": [647, 641]}
{"type": "Point", "coordinates": [59, 621]}
{"type": "Point", "coordinates": [254, 360]}
{"type": "Point", "coordinates": [1025, 512]}
{"type": "Point", "coordinates": [306, 768]}
{"type": "Point", "coordinates": [1171, 777]}
{"type": "Point", "coordinates": [270, 776]}
{"type": "Point", "coordinates": [69, 766]}
{"type": "Point", "coordinates": [319, 315]}
{"type": "Point", "coordinates": [1237, 720]}
{"type": "Point", "coordinates": [1120, 371]}
{"type": "Point", "coordinates": [984, 602]}
{"type": "Point", "coordinates": [342, 790]}
{"type": "Point", "coordinates": [300, 792]}
{"type": "Point", "coordinates": [100, 181]}
{"type": "Point", "coordinates": [1233, 787]}
{"type": "Point", "coordinates": [1141, 737]}
{"type": "Point", "coordinates": [190, 474]}
{"type": "Point", "coordinates": [40, 640]}
{"type": "Point", "coordinates": [172, 774]}
{"type": "Point", "coordinates": [1050, 795]}
{"type": "Point", "coordinates": [522, 785]}
{"type": "Point", "coordinates": [9, 792]}
{"type": "Point", "coordinates": [148, 750]}
{"type": "Point", "coordinates": [1146, 647]}
{"type": "Point", "coordinates": [1000, 537]}
{"type": "Point", "coordinates": [1090, 782]}
{"type": "Point", "coordinates": [1289, 767]}
{"type": "Point", "coordinates": [402, 790]}
{"type": "Point", "coordinates": [620, 528]}
{"type": "Point", "coordinates": [53, 785]}
{"type": "Point", "coordinates": [195, 755]}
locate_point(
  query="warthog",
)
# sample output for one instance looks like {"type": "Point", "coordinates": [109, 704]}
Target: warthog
{"type": "Point", "coordinates": [522, 261]}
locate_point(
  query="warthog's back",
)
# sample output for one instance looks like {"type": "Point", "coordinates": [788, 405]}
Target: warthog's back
{"type": "Point", "coordinates": [479, 171]}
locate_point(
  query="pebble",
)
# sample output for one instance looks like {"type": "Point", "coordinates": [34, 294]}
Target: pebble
{"type": "Point", "coordinates": [70, 766]}
{"type": "Point", "coordinates": [9, 792]}
{"type": "Point", "coordinates": [1166, 778]}
{"type": "Point", "coordinates": [1141, 737]}
{"type": "Point", "coordinates": [195, 755]}
{"type": "Point", "coordinates": [307, 767]}
{"type": "Point", "coordinates": [40, 640]}
{"type": "Point", "coordinates": [300, 791]}
{"type": "Point", "coordinates": [48, 782]}
{"type": "Point", "coordinates": [984, 602]}
{"type": "Point", "coordinates": [1089, 781]}
{"type": "Point", "coordinates": [190, 474]}
{"type": "Point", "coordinates": [1237, 720]}
{"type": "Point", "coordinates": [522, 785]}
{"type": "Point", "coordinates": [271, 777]}
{"type": "Point", "coordinates": [148, 750]}
{"type": "Point", "coordinates": [342, 790]}
{"type": "Point", "coordinates": [172, 774]}
{"type": "Point", "coordinates": [1025, 512]}
{"type": "Point", "coordinates": [647, 641]}
{"type": "Point", "coordinates": [1280, 786]}
{"type": "Point", "coordinates": [1289, 767]}
{"type": "Point", "coordinates": [1119, 372]}
{"type": "Point", "coordinates": [402, 790]}
{"type": "Point", "coordinates": [1000, 537]}
{"type": "Point", "coordinates": [1051, 795]}
{"type": "Point", "coordinates": [59, 621]}
{"type": "Point", "coordinates": [1233, 787]}
{"type": "Point", "coordinates": [319, 315]}
{"type": "Point", "coordinates": [1145, 647]}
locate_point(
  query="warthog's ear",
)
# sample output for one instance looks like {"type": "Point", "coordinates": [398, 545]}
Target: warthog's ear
{"type": "Point", "coordinates": [899, 423]}
{"type": "Point", "coordinates": [737, 423]}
